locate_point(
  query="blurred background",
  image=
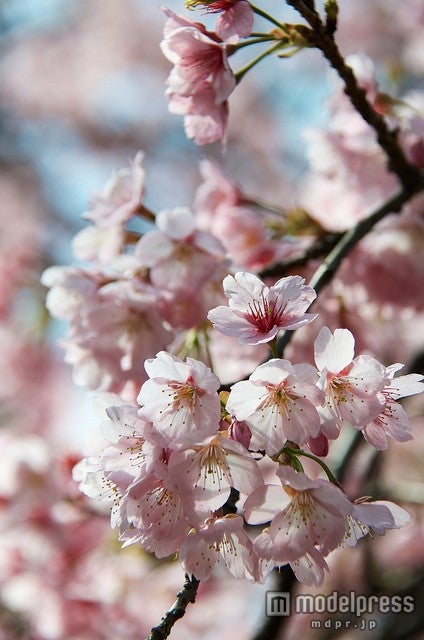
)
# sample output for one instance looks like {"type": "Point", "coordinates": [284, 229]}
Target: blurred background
{"type": "Point", "coordinates": [82, 90]}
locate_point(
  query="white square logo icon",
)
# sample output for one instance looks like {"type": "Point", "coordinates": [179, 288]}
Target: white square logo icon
{"type": "Point", "coordinates": [277, 603]}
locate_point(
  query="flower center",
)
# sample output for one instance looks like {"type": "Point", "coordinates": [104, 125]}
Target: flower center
{"type": "Point", "coordinates": [265, 314]}
{"type": "Point", "coordinates": [185, 394]}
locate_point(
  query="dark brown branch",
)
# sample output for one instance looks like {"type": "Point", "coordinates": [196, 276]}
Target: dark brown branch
{"type": "Point", "coordinates": [408, 175]}
{"type": "Point", "coordinates": [317, 250]}
{"type": "Point", "coordinates": [178, 609]}
{"type": "Point", "coordinates": [273, 625]}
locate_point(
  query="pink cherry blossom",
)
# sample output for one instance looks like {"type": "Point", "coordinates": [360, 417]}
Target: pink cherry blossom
{"type": "Point", "coordinates": [199, 62]}
{"type": "Point", "coordinates": [201, 80]}
{"type": "Point", "coordinates": [218, 541]}
{"type": "Point", "coordinates": [119, 457]}
{"type": "Point", "coordinates": [121, 196]}
{"type": "Point", "coordinates": [350, 176]}
{"type": "Point", "coordinates": [373, 518]}
{"type": "Point", "coordinates": [222, 210]}
{"type": "Point", "coordinates": [352, 385]}
{"type": "Point", "coordinates": [236, 17]}
{"type": "Point", "coordinates": [235, 20]}
{"type": "Point", "coordinates": [205, 120]}
{"type": "Point", "coordinates": [216, 188]}
{"type": "Point", "coordinates": [69, 289]}
{"type": "Point", "coordinates": [152, 514]}
{"type": "Point", "coordinates": [393, 421]}
{"type": "Point", "coordinates": [113, 334]}
{"type": "Point", "coordinates": [179, 256]}
{"type": "Point", "coordinates": [98, 244]}
{"type": "Point", "coordinates": [180, 399]}
{"type": "Point", "coordinates": [206, 473]}
{"type": "Point", "coordinates": [278, 402]}
{"type": "Point", "coordinates": [256, 312]}
{"type": "Point", "coordinates": [308, 520]}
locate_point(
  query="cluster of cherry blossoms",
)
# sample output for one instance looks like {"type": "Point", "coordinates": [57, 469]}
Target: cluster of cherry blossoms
{"type": "Point", "coordinates": [193, 460]}
{"type": "Point", "coordinates": [169, 462]}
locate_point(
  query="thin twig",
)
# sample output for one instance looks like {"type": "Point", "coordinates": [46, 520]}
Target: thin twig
{"type": "Point", "coordinates": [317, 250]}
{"type": "Point", "coordinates": [186, 595]}
{"type": "Point", "coordinates": [408, 175]}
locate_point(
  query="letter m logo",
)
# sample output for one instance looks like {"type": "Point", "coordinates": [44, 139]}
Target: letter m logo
{"type": "Point", "coordinates": [277, 603]}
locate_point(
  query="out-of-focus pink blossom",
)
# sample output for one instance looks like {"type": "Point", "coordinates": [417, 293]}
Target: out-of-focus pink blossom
{"type": "Point", "coordinates": [234, 360]}
{"type": "Point", "coordinates": [278, 402]}
{"type": "Point", "coordinates": [349, 173]}
{"type": "Point", "coordinates": [121, 196]}
{"type": "Point", "coordinates": [205, 121]}
{"type": "Point", "coordinates": [98, 244]}
{"type": "Point", "coordinates": [179, 256]}
{"type": "Point", "coordinates": [256, 313]}
{"type": "Point", "coordinates": [215, 189]}
{"type": "Point", "coordinates": [389, 261]}
{"type": "Point", "coordinates": [115, 325]}
{"type": "Point", "coordinates": [69, 289]}
{"type": "Point", "coordinates": [221, 209]}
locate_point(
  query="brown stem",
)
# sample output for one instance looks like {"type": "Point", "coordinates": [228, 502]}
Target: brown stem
{"type": "Point", "coordinates": [186, 595]}
{"type": "Point", "coordinates": [273, 625]}
{"type": "Point", "coordinates": [317, 250]}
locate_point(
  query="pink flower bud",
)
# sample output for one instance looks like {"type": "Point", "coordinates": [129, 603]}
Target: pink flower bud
{"type": "Point", "coordinates": [240, 432]}
{"type": "Point", "coordinates": [319, 445]}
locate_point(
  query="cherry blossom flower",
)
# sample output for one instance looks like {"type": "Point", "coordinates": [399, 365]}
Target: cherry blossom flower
{"type": "Point", "coordinates": [69, 289]}
{"type": "Point", "coordinates": [308, 520]}
{"type": "Point", "coordinates": [120, 456]}
{"type": "Point", "coordinates": [199, 62]}
{"type": "Point", "coordinates": [178, 255]}
{"type": "Point", "coordinates": [152, 513]}
{"type": "Point", "coordinates": [207, 473]}
{"type": "Point", "coordinates": [236, 18]}
{"type": "Point", "coordinates": [205, 120]}
{"type": "Point", "coordinates": [278, 402]}
{"type": "Point", "coordinates": [218, 541]}
{"type": "Point", "coordinates": [352, 385]}
{"type": "Point", "coordinates": [98, 244]}
{"type": "Point", "coordinates": [201, 80]}
{"type": "Point", "coordinates": [113, 334]}
{"type": "Point", "coordinates": [373, 518]}
{"type": "Point", "coordinates": [393, 421]}
{"type": "Point", "coordinates": [222, 209]}
{"type": "Point", "coordinates": [121, 196]}
{"type": "Point", "coordinates": [180, 399]}
{"type": "Point", "coordinates": [216, 189]}
{"type": "Point", "coordinates": [256, 312]}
